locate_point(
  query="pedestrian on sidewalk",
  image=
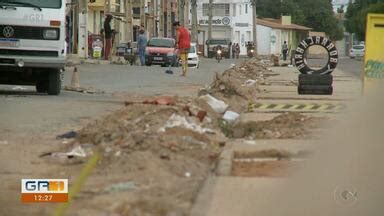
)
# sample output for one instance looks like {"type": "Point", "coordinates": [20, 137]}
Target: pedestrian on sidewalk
{"type": "Point", "coordinates": [285, 50]}
{"type": "Point", "coordinates": [233, 50]}
{"type": "Point", "coordinates": [237, 50]}
{"type": "Point", "coordinates": [142, 45]}
{"type": "Point", "coordinates": [108, 33]}
{"type": "Point", "coordinates": [183, 43]}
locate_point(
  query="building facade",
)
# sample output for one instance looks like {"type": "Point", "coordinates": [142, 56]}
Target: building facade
{"type": "Point", "coordinates": [272, 33]}
{"type": "Point", "coordinates": [231, 20]}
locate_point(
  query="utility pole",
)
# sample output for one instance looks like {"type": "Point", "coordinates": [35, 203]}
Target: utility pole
{"type": "Point", "coordinates": [210, 8]}
{"type": "Point", "coordinates": [194, 20]}
{"type": "Point", "coordinates": [254, 24]}
{"type": "Point", "coordinates": [128, 16]}
{"type": "Point", "coordinates": [180, 9]}
{"type": "Point", "coordinates": [153, 20]}
{"type": "Point", "coordinates": [83, 32]}
{"type": "Point", "coordinates": [169, 18]}
{"type": "Point", "coordinates": [142, 13]}
{"type": "Point", "coordinates": [161, 21]}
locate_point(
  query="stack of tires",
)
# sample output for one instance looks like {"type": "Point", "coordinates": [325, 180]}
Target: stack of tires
{"type": "Point", "coordinates": [316, 82]}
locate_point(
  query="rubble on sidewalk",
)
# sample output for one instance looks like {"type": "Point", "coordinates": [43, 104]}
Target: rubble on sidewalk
{"type": "Point", "coordinates": [239, 84]}
{"type": "Point", "coordinates": [285, 126]}
{"type": "Point", "coordinates": [157, 152]}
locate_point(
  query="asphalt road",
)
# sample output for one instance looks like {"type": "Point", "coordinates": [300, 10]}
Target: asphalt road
{"type": "Point", "coordinates": [22, 110]}
{"type": "Point", "coordinates": [353, 66]}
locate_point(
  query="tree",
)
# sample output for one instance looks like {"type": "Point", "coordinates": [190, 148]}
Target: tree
{"type": "Point", "coordinates": [356, 15]}
{"type": "Point", "coordinates": [316, 14]}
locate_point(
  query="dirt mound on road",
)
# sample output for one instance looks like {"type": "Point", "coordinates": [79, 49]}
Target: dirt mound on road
{"type": "Point", "coordinates": [165, 151]}
{"type": "Point", "coordinates": [285, 126]}
{"type": "Point", "coordinates": [239, 85]}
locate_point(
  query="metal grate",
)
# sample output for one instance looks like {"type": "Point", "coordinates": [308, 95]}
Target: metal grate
{"type": "Point", "coordinates": [28, 32]}
{"type": "Point", "coordinates": [28, 53]}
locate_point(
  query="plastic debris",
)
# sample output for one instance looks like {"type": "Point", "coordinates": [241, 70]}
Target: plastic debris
{"type": "Point", "coordinates": [231, 117]}
{"type": "Point", "coordinates": [201, 115]}
{"type": "Point", "coordinates": [180, 121]}
{"type": "Point", "coordinates": [68, 135]}
{"type": "Point", "coordinates": [193, 141]}
{"type": "Point", "coordinates": [217, 105]}
{"type": "Point", "coordinates": [169, 72]}
{"type": "Point", "coordinates": [123, 186]}
{"type": "Point", "coordinates": [249, 82]}
{"type": "Point", "coordinates": [188, 175]}
{"type": "Point", "coordinates": [19, 88]}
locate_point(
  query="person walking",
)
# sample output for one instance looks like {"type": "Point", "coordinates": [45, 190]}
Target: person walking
{"type": "Point", "coordinates": [183, 43]}
{"type": "Point", "coordinates": [233, 49]}
{"type": "Point", "coordinates": [237, 50]}
{"type": "Point", "coordinates": [108, 34]}
{"type": "Point", "coordinates": [285, 50]}
{"type": "Point", "coordinates": [142, 45]}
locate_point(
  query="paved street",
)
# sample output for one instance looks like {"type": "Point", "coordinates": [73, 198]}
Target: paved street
{"type": "Point", "coordinates": [24, 110]}
{"type": "Point", "coordinates": [30, 121]}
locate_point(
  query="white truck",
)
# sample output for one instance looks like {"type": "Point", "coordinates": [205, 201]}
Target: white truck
{"type": "Point", "coordinates": [32, 43]}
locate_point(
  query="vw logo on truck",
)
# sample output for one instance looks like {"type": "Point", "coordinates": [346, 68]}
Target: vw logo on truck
{"type": "Point", "coordinates": [8, 31]}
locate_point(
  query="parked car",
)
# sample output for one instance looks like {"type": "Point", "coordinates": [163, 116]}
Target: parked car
{"type": "Point", "coordinates": [161, 51]}
{"type": "Point", "coordinates": [357, 51]}
{"type": "Point", "coordinates": [193, 57]}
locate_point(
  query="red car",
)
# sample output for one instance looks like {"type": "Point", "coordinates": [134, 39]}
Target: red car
{"type": "Point", "coordinates": [161, 51]}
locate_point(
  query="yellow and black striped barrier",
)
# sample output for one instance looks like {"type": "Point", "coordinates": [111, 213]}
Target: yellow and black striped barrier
{"type": "Point", "coordinates": [292, 107]}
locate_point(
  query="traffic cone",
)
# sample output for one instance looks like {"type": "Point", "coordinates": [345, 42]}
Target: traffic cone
{"type": "Point", "coordinates": [75, 82]}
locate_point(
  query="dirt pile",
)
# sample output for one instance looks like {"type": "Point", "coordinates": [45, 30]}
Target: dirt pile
{"type": "Point", "coordinates": [166, 152]}
{"type": "Point", "coordinates": [239, 84]}
{"type": "Point", "coordinates": [285, 126]}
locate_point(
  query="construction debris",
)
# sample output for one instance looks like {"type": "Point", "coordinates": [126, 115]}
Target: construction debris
{"type": "Point", "coordinates": [285, 126]}
{"type": "Point", "coordinates": [68, 135]}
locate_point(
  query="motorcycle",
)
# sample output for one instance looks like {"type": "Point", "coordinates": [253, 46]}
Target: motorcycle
{"type": "Point", "coordinates": [251, 53]}
{"type": "Point", "coordinates": [219, 56]}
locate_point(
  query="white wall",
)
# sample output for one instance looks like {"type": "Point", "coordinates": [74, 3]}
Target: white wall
{"type": "Point", "coordinates": [263, 40]}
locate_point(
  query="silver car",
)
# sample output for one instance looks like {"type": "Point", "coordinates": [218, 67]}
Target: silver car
{"type": "Point", "coordinates": [357, 51]}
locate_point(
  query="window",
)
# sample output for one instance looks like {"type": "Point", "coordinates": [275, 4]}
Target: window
{"type": "Point", "coordinates": [217, 9]}
{"type": "Point", "coordinates": [234, 9]}
{"type": "Point", "coordinates": [246, 8]}
{"type": "Point", "coordinates": [239, 9]}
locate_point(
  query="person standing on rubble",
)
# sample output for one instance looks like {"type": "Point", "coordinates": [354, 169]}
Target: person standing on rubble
{"type": "Point", "coordinates": [183, 43]}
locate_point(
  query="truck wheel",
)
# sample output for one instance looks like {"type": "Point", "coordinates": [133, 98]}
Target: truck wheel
{"type": "Point", "coordinates": [54, 83]}
{"type": "Point", "coordinates": [42, 86]}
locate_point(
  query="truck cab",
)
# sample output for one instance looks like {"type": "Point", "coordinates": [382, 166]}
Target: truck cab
{"type": "Point", "coordinates": [32, 43]}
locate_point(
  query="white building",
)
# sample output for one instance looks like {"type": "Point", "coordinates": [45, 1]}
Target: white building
{"type": "Point", "coordinates": [231, 20]}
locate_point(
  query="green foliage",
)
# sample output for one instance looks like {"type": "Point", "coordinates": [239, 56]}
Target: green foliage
{"type": "Point", "coordinates": [316, 14]}
{"type": "Point", "coordinates": [356, 16]}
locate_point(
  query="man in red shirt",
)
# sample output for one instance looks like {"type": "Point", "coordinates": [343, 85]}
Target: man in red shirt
{"type": "Point", "coordinates": [183, 42]}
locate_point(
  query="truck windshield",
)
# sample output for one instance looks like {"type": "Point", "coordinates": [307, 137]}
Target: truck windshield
{"type": "Point", "coordinates": [37, 3]}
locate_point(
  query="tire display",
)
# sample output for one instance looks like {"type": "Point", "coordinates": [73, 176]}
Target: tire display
{"type": "Point", "coordinates": [315, 89]}
{"type": "Point", "coordinates": [314, 79]}
{"type": "Point", "coordinates": [311, 81]}
{"type": "Point", "coordinates": [300, 55]}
